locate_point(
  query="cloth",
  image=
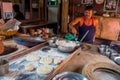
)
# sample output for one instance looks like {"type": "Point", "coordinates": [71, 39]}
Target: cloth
{"type": "Point", "coordinates": [83, 29]}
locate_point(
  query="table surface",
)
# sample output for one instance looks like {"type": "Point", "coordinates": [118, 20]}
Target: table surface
{"type": "Point", "coordinates": [77, 59]}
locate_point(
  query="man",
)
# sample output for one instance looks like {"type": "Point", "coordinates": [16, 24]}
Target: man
{"type": "Point", "coordinates": [18, 15]}
{"type": "Point", "coordinates": [87, 26]}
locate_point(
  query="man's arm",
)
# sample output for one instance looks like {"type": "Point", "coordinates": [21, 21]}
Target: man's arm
{"type": "Point", "coordinates": [72, 25]}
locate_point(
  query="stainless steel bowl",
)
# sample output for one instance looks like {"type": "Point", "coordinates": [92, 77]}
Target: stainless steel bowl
{"type": "Point", "coordinates": [64, 47]}
{"type": "Point", "coordinates": [69, 76]}
{"type": "Point", "coordinates": [52, 43]}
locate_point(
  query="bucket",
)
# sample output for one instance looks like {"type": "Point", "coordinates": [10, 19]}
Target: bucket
{"type": "Point", "coordinates": [4, 67]}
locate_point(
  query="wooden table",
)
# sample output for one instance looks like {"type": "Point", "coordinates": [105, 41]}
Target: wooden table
{"type": "Point", "coordinates": [79, 59]}
{"type": "Point", "coordinates": [75, 62]}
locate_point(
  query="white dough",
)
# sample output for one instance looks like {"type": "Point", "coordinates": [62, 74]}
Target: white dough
{"type": "Point", "coordinates": [32, 58]}
{"type": "Point", "coordinates": [29, 67]}
{"type": "Point", "coordinates": [57, 61]}
{"type": "Point", "coordinates": [45, 69]}
{"type": "Point", "coordinates": [46, 60]}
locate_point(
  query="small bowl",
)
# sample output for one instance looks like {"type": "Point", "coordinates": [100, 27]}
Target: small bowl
{"type": "Point", "coordinates": [101, 50]}
{"type": "Point", "coordinates": [52, 43]}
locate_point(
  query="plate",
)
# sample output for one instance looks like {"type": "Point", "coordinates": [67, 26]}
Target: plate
{"type": "Point", "coordinates": [99, 1]}
{"type": "Point", "coordinates": [69, 76]}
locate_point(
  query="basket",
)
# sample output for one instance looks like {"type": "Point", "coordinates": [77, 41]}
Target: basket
{"type": "Point", "coordinates": [8, 33]}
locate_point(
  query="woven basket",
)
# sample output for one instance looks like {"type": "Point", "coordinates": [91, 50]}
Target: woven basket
{"type": "Point", "coordinates": [8, 33]}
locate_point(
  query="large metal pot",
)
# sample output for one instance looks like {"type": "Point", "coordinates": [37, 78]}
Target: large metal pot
{"type": "Point", "coordinates": [67, 46]}
{"type": "Point", "coordinates": [66, 49]}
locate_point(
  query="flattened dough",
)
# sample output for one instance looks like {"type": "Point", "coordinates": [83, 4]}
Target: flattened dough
{"type": "Point", "coordinates": [32, 58]}
{"type": "Point", "coordinates": [57, 61]}
{"type": "Point", "coordinates": [45, 69]}
{"type": "Point", "coordinates": [46, 60]}
{"type": "Point", "coordinates": [29, 67]}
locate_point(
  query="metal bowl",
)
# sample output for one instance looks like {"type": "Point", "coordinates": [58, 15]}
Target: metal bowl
{"type": "Point", "coordinates": [52, 43]}
{"type": "Point", "coordinates": [69, 76]}
{"type": "Point", "coordinates": [66, 49]}
{"type": "Point", "coordinates": [67, 46]}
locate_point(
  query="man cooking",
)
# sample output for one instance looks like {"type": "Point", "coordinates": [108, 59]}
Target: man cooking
{"type": "Point", "coordinates": [87, 26]}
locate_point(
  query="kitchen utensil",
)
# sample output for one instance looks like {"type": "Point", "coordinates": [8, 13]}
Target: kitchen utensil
{"type": "Point", "coordinates": [67, 46]}
{"type": "Point", "coordinates": [3, 67]}
{"type": "Point", "coordinates": [84, 36]}
{"type": "Point", "coordinates": [117, 60]}
{"type": "Point", "coordinates": [115, 57]}
{"type": "Point", "coordinates": [69, 76]}
{"type": "Point", "coordinates": [52, 42]}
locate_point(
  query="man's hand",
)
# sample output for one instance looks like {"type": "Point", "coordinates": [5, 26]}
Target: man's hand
{"type": "Point", "coordinates": [74, 31]}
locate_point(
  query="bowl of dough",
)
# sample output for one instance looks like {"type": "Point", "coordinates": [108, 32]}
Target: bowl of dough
{"type": "Point", "coordinates": [67, 46]}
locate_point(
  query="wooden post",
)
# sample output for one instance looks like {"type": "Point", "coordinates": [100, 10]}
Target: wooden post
{"type": "Point", "coordinates": [64, 26]}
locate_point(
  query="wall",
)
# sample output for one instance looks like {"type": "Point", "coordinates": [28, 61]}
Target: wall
{"type": "Point", "coordinates": [76, 8]}
{"type": "Point", "coordinates": [7, 10]}
{"type": "Point", "coordinates": [52, 14]}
